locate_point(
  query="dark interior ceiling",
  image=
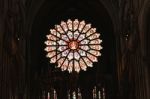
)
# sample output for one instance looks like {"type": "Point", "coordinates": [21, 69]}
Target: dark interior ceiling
{"type": "Point", "coordinates": [51, 13]}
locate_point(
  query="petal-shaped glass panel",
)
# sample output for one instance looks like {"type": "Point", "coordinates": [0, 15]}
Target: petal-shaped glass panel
{"type": "Point", "coordinates": [53, 60]}
{"type": "Point", "coordinates": [85, 41]}
{"type": "Point", "coordinates": [82, 52]}
{"type": "Point", "coordinates": [51, 37]}
{"type": "Point", "coordinates": [94, 36]}
{"type": "Point", "coordinates": [83, 66]}
{"type": "Point", "coordinates": [85, 47]}
{"type": "Point", "coordinates": [96, 47]}
{"type": "Point", "coordinates": [96, 41]}
{"type": "Point", "coordinates": [70, 35]}
{"type": "Point", "coordinates": [69, 22]}
{"type": "Point", "coordinates": [81, 37]}
{"type": "Point", "coordinates": [64, 26]}
{"type": "Point", "coordinates": [81, 25]}
{"type": "Point", "coordinates": [65, 53]}
{"type": "Point", "coordinates": [92, 57]}
{"type": "Point", "coordinates": [86, 28]}
{"type": "Point", "coordinates": [65, 65]}
{"type": "Point", "coordinates": [51, 54]}
{"type": "Point", "coordinates": [76, 66]}
{"type": "Point", "coordinates": [60, 62]}
{"type": "Point", "coordinates": [50, 42]}
{"type": "Point", "coordinates": [62, 48]}
{"type": "Point", "coordinates": [94, 52]}
{"type": "Point", "coordinates": [75, 24]}
{"type": "Point", "coordinates": [59, 29]}
{"type": "Point", "coordinates": [62, 42]}
{"type": "Point", "coordinates": [76, 34]}
{"type": "Point", "coordinates": [76, 55]}
{"type": "Point", "coordinates": [91, 31]}
{"type": "Point", "coordinates": [88, 62]}
{"type": "Point", "coordinates": [65, 37]}
{"type": "Point", "coordinates": [70, 67]}
{"type": "Point", "coordinates": [70, 56]}
{"type": "Point", "coordinates": [48, 49]}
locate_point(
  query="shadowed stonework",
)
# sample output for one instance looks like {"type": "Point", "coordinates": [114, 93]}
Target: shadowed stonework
{"type": "Point", "coordinates": [109, 62]}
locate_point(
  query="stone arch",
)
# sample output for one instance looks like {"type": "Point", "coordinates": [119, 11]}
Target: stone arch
{"type": "Point", "coordinates": [33, 19]}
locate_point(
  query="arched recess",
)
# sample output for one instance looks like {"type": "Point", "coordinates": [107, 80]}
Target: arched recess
{"type": "Point", "coordinates": [35, 5]}
{"type": "Point", "coordinates": [52, 12]}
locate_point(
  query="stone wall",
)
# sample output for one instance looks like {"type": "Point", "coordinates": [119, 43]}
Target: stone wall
{"type": "Point", "coordinates": [12, 59]}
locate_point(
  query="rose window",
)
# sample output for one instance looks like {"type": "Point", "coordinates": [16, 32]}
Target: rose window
{"type": "Point", "coordinates": [73, 45]}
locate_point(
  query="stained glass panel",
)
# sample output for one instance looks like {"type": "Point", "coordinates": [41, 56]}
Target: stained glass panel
{"type": "Point", "coordinates": [73, 45]}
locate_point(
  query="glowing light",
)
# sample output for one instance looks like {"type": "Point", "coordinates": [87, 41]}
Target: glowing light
{"type": "Point", "coordinates": [73, 45]}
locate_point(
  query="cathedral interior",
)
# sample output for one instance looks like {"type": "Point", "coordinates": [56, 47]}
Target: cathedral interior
{"type": "Point", "coordinates": [121, 72]}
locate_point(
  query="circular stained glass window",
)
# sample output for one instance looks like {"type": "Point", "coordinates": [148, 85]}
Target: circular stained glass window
{"type": "Point", "coordinates": [73, 45]}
